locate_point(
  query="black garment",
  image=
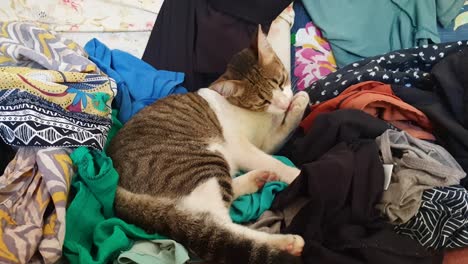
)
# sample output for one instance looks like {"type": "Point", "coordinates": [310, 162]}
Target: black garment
{"type": "Point", "coordinates": [407, 67]}
{"type": "Point", "coordinates": [6, 155]}
{"type": "Point", "coordinates": [344, 125]}
{"type": "Point", "coordinates": [194, 38]}
{"type": "Point", "coordinates": [451, 75]}
{"type": "Point", "coordinates": [445, 103]}
{"type": "Point", "coordinates": [342, 180]}
{"type": "Point", "coordinates": [254, 11]}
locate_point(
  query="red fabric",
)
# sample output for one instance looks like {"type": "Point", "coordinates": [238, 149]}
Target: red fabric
{"type": "Point", "coordinates": [457, 256]}
{"type": "Point", "coordinates": [377, 99]}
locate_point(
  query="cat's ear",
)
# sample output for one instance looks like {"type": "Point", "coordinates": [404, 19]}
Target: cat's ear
{"type": "Point", "coordinates": [227, 88]}
{"type": "Point", "coordinates": [262, 47]}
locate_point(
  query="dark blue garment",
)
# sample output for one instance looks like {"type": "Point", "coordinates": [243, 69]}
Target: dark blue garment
{"type": "Point", "coordinates": [449, 34]}
{"type": "Point", "coordinates": [138, 83]}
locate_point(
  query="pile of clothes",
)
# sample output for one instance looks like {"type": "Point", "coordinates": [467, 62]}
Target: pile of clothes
{"type": "Point", "coordinates": [386, 183]}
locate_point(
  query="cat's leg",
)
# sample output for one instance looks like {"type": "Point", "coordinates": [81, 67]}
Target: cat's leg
{"type": "Point", "coordinates": [207, 198]}
{"type": "Point", "coordinates": [293, 117]}
{"type": "Point", "coordinates": [251, 182]}
{"type": "Point", "coordinates": [248, 157]}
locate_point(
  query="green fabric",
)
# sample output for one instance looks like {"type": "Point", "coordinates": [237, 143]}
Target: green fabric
{"type": "Point", "coordinates": [154, 252]}
{"type": "Point", "coordinates": [116, 126]}
{"type": "Point", "coordinates": [249, 207]}
{"type": "Point", "coordinates": [93, 235]}
{"type": "Point", "coordinates": [364, 28]}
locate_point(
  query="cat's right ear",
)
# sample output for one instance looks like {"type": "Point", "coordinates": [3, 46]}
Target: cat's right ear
{"type": "Point", "coordinates": [262, 47]}
{"type": "Point", "coordinates": [227, 88]}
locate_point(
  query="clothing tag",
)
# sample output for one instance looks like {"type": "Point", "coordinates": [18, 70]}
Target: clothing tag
{"type": "Point", "coordinates": [388, 168]}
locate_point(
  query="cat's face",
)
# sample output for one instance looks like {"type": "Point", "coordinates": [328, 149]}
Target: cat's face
{"type": "Point", "coordinates": [256, 79]}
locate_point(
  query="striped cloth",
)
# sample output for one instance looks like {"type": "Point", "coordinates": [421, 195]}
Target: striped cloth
{"type": "Point", "coordinates": [442, 220]}
{"type": "Point", "coordinates": [28, 44]}
{"type": "Point", "coordinates": [33, 199]}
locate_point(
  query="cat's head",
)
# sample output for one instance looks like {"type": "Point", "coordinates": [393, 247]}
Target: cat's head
{"type": "Point", "coordinates": [256, 79]}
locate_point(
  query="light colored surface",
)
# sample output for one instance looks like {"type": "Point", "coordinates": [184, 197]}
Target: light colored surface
{"type": "Point", "coordinates": [120, 24]}
{"type": "Point", "coordinates": [131, 42]}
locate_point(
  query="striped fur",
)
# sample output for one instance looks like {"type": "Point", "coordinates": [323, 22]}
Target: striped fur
{"type": "Point", "coordinates": [176, 159]}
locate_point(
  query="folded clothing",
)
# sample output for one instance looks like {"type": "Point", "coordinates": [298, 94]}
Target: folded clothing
{"type": "Point", "coordinates": [441, 221]}
{"type": "Point", "coordinates": [26, 44]}
{"type": "Point", "coordinates": [33, 198]}
{"type": "Point", "coordinates": [138, 83]}
{"type": "Point", "coordinates": [377, 99]}
{"type": "Point", "coordinates": [418, 165]}
{"type": "Point", "coordinates": [74, 91]}
{"type": "Point", "coordinates": [28, 120]}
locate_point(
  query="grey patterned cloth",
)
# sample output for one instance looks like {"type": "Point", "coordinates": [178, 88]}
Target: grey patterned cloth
{"type": "Point", "coordinates": [442, 220]}
{"type": "Point", "coordinates": [27, 44]}
{"type": "Point", "coordinates": [418, 165]}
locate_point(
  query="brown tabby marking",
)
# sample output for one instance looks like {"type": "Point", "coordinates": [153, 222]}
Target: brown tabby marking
{"type": "Point", "coordinates": [170, 138]}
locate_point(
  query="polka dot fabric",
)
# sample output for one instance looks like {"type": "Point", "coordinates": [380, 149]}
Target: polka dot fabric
{"type": "Point", "coordinates": [407, 67]}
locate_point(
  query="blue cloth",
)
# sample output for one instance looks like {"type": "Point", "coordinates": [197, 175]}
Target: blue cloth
{"type": "Point", "coordinates": [456, 31]}
{"type": "Point", "coordinates": [250, 207]}
{"type": "Point", "coordinates": [139, 84]}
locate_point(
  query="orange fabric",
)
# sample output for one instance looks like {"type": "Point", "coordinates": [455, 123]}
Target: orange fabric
{"type": "Point", "coordinates": [457, 256]}
{"type": "Point", "coordinates": [377, 99]}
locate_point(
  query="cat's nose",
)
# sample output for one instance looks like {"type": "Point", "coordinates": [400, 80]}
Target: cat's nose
{"type": "Point", "coordinates": [283, 103]}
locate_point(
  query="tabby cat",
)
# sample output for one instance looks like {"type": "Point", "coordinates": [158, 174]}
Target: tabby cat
{"type": "Point", "coordinates": [176, 159]}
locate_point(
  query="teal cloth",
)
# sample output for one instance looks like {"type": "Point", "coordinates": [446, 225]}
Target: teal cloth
{"type": "Point", "coordinates": [154, 252]}
{"type": "Point", "coordinates": [359, 29]}
{"type": "Point", "coordinates": [249, 207]}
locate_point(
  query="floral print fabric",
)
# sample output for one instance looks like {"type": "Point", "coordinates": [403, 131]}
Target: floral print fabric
{"type": "Point", "coordinates": [85, 15]}
{"type": "Point", "coordinates": [311, 55]}
{"type": "Point", "coordinates": [314, 59]}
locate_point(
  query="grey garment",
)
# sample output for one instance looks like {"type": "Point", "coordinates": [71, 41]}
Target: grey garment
{"type": "Point", "coordinates": [269, 222]}
{"type": "Point", "coordinates": [272, 221]}
{"type": "Point", "coordinates": [418, 165]}
{"type": "Point", "coordinates": [26, 44]}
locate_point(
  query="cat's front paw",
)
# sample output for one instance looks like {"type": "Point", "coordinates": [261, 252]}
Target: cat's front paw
{"type": "Point", "coordinates": [263, 177]}
{"type": "Point", "coordinates": [289, 174]}
{"type": "Point", "coordinates": [299, 103]}
{"type": "Point", "coordinates": [253, 181]}
{"type": "Point", "coordinates": [296, 110]}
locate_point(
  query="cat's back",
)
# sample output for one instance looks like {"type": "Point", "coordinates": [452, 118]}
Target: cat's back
{"type": "Point", "coordinates": [167, 137]}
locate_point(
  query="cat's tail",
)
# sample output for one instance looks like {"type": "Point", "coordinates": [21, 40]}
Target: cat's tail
{"type": "Point", "coordinates": [209, 240]}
